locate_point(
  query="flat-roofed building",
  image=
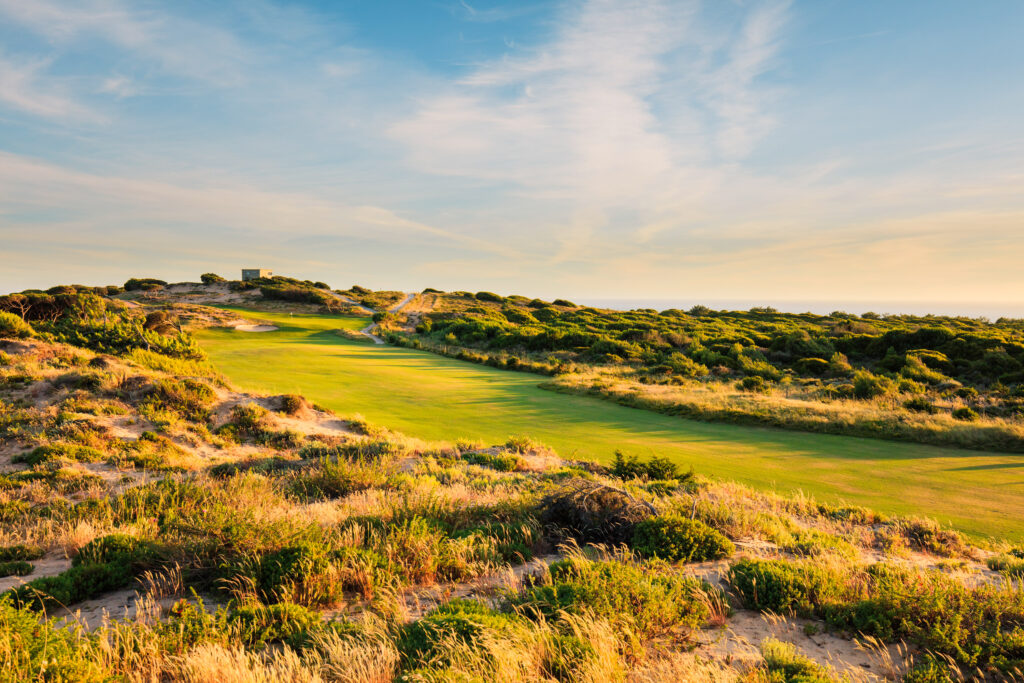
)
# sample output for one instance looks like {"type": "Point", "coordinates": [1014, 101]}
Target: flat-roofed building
{"type": "Point", "coordinates": [255, 273]}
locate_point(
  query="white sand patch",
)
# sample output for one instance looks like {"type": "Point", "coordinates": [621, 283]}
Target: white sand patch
{"type": "Point", "coordinates": [255, 328]}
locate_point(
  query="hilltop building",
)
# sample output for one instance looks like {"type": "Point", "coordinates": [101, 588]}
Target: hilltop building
{"type": "Point", "coordinates": [255, 273]}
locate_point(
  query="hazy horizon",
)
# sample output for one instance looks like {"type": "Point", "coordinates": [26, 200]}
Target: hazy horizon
{"type": "Point", "coordinates": [623, 148]}
{"type": "Point", "coordinates": [973, 309]}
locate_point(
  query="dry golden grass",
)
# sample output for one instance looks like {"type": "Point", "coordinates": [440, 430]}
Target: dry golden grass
{"type": "Point", "coordinates": [795, 408]}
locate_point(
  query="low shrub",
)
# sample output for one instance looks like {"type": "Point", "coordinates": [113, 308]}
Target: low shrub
{"type": "Point", "coordinates": [785, 664]}
{"type": "Point", "coordinates": [678, 539]}
{"type": "Point", "coordinates": [211, 278]}
{"type": "Point", "coordinates": [931, 669]}
{"type": "Point", "coordinates": [975, 626]}
{"type": "Point", "coordinates": [57, 453]}
{"type": "Point", "coordinates": [502, 462]}
{"type": "Point", "coordinates": [754, 384]}
{"type": "Point", "coordinates": [657, 468]}
{"type": "Point", "coordinates": [920, 404]}
{"type": "Point", "coordinates": [965, 414]}
{"type": "Point", "coordinates": [36, 649]}
{"type": "Point", "coordinates": [291, 404]}
{"type": "Point", "coordinates": [15, 568]}
{"type": "Point", "coordinates": [20, 552]}
{"type": "Point", "coordinates": [1007, 564]}
{"type": "Point", "coordinates": [646, 599]}
{"type": "Point", "coordinates": [467, 622]}
{"type": "Point", "coordinates": [256, 625]}
{"type": "Point", "coordinates": [143, 283]}
{"type": "Point", "coordinates": [13, 327]}
{"type": "Point", "coordinates": [301, 574]}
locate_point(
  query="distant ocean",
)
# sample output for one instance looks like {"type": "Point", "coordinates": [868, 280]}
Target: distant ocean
{"type": "Point", "coordinates": [992, 311]}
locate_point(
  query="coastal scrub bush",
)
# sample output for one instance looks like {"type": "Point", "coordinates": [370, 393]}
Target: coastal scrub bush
{"type": "Point", "coordinates": [143, 283]}
{"type": "Point", "coordinates": [920, 404]}
{"type": "Point", "coordinates": [648, 599]}
{"type": "Point", "coordinates": [965, 414]}
{"type": "Point", "coordinates": [868, 385]}
{"type": "Point", "coordinates": [211, 278]}
{"type": "Point", "coordinates": [657, 468]}
{"type": "Point", "coordinates": [785, 664]}
{"type": "Point", "coordinates": [976, 626]}
{"type": "Point", "coordinates": [14, 327]}
{"type": "Point", "coordinates": [467, 622]}
{"type": "Point", "coordinates": [256, 624]}
{"type": "Point", "coordinates": [20, 552]}
{"type": "Point", "coordinates": [104, 564]}
{"type": "Point", "coordinates": [678, 539]}
{"type": "Point", "coordinates": [15, 568]}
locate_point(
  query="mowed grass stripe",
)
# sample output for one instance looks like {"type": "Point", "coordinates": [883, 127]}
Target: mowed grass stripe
{"type": "Point", "coordinates": [437, 398]}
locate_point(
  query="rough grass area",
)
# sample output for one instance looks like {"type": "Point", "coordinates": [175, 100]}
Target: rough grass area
{"type": "Point", "coordinates": [296, 546]}
{"type": "Point", "coordinates": [431, 397]}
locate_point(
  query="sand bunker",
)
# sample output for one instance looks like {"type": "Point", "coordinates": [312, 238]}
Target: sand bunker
{"type": "Point", "coordinates": [255, 328]}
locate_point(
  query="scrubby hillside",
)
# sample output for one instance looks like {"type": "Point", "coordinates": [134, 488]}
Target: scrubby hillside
{"type": "Point", "coordinates": [932, 379]}
{"type": "Point", "coordinates": [242, 537]}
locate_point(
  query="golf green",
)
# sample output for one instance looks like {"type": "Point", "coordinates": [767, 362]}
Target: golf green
{"type": "Point", "coordinates": [436, 398]}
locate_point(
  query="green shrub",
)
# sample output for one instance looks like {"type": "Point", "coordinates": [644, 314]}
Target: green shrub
{"type": "Point", "coordinates": [502, 462]}
{"type": "Point", "coordinates": [931, 669]}
{"type": "Point", "coordinates": [104, 564]}
{"type": "Point", "coordinates": [20, 552]}
{"type": "Point", "coordinates": [785, 664]}
{"type": "Point", "coordinates": [59, 452]}
{"type": "Point", "coordinates": [257, 625]}
{"type": "Point", "coordinates": [678, 539]}
{"type": "Point", "coordinates": [14, 327]}
{"type": "Point", "coordinates": [292, 404]}
{"type": "Point", "coordinates": [334, 478]}
{"type": "Point", "coordinates": [211, 278]}
{"type": "Point", "coordinates": [144, 283]}
{"type": "Point", "coordinates": [300, 573]}
{"type": "Point", "coordinates": [658, 468]}
{"type": "Point", "coordinates": [650, 600]}
{"type": "Point", "coordinates": [976, 626]}
{"type": "Point", "coordinates": [15, 568]}
{"type": "Point", "coordinates": [465, 621]}
{"type": "Point", "coordinates": [780, 587]}
{"type": "Point", "coordinates": [965, 414]}
{"type": "Point", "coordinates": [489, 296]}
{"type": "Point", "coordinates": [1007, 564]}
{"type": "Point", "coordinates": [754, 384]}
{"type": "Point", "coordinates": [119, 549]}
{"type": "Point", "coordinates": [920, 404]}
{"type": "Point", "coordinates": [35, 649]}
{"type": "Point", "coordinates": [867, 385]}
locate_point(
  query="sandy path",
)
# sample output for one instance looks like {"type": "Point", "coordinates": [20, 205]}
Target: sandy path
{"type": "Point", "coordinates": [402, 304]}
{"type": "Point", "coordinates": [350, 301]}
{"type": "Point", "coordinates": [368, 330]}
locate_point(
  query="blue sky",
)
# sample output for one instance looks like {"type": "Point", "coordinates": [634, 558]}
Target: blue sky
{"type": "Point", "coordinates": [773, 150]}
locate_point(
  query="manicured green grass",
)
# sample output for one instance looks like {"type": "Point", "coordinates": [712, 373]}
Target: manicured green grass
{"type": "Point", "coordinates": [431, 397]}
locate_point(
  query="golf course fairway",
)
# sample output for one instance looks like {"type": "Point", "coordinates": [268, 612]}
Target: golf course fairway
{"type": "Point", "coordinates": [436, 398]}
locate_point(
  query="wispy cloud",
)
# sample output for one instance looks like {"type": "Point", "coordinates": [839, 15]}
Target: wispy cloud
{"type": "Point", "coordinates": [118, 203]}
{"type": "Point", "coordinates": [180, 46]}
{"type": "Point", "coordinates": [22, 87]}
{"type": "Point", "coordinates": [581, 120]}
